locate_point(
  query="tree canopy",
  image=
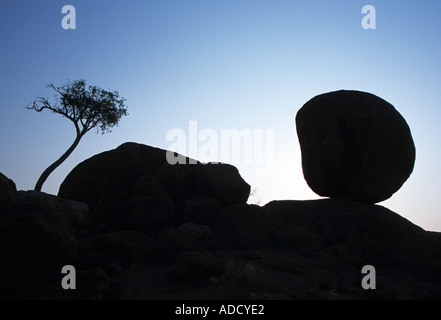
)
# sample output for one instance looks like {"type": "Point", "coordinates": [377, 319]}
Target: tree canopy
{"type": "Point", "coordinates": [87, 108]}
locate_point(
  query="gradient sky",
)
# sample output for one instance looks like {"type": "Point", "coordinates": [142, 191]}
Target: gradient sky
{"type": "Point", "coordinates": [242, 64]}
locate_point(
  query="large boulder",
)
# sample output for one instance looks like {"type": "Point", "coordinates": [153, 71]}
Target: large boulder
{"type": "Point", "coordinates": [134, 187]}
{"type": "Point", "coordinates": [354, 145]}
{"type": "Point", "coordinates": [112, 173]}
{"type": "Point", "coordinates": [219, 180]}
{"type": "Point", "coordinates": [360, 233]}
{"type": "Point", "coordinates": [67, 213]}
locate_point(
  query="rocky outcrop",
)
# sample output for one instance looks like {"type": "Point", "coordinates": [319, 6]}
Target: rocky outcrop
{"type": "Point", "coordinates": [37, 238]}
{"type": "Point", "coordinates": [117, 208]}
{"type": "Point", "coordinates": [361, 233]}
{"type": "Point", "coordinates": [161, 231]}
{"type": "Point", "coordinates": [354, 145]}
{"type": "Point", "coordinates": [134, 187]}
{"type": "Point", "coordinates": [312, 250]}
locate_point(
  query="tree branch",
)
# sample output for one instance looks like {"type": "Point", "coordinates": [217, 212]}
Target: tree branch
{"type": "Point", "coordinates": [46, 105]}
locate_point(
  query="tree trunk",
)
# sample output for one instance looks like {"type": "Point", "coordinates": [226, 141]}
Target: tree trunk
{"type": "Point", "coordinates": [54, 165]}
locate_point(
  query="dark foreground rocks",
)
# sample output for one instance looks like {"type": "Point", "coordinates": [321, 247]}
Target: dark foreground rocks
{"type": "Point", "coordinates": [316, 250]}
{"type": "Point", "coordinates": [37, 238]}
{"type": "Point", "coordinates": [354, 145]}
{"type": "Point", "coordinates": [136, 227]}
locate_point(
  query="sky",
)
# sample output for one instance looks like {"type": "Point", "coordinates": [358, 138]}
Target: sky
{"type": "Point", "coordinates": [194, 71]}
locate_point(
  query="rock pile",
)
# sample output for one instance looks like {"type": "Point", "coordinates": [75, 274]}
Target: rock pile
{"type": "Point", "coordinates": [119, 207]}
{"type": "Point", "coordinates": [134, 187]}
{"type": "Point", "coordinates": [37, 237]}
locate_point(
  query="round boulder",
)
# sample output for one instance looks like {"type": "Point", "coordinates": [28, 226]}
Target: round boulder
{"type": "Point", "coordinates": [354, 145]}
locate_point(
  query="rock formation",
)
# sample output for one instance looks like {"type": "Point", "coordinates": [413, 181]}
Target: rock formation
{"type": "Point", "coordinates": [135, 227]}
{"type": "Point", "coordinates": [134, 187]}
{"type": "Point", "coordinates": [37, 237]}
{"type": "Point", "coordinates": [354, 145]}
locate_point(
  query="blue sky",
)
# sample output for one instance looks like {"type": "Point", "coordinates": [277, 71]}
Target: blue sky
{"type": "Point", "coordinates": [243, 64]}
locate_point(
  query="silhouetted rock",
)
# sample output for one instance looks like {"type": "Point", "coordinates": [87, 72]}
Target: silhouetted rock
{"type": "Point", "coordinates": [149, 213]}
{"type": "Point", "coordinates": [34, 246]}
{"type": "Point", "coordinates": [241, 227]}
{"type": "Point", "coordinates": [8, 193]}
{"type": "Point", "coordinates": [199, 210]}
{"type": "Point", "coordinates": [354, 145]}
{"type": "Point", "coordinates": [187, 237]}
{"type": "Point", "coordinates": [113, 252]}
{"type": "Point", "coordinates": [71, 213]}
{"type": "Point", "coordinates": [158, 231]}
{"type": "Point", "coordinates": [97, 250]}
{"type": "Point", "coordinates": [37, 238]}
{"type": "Point", "coordinates": [146, 214]}
{"type": "Point", "coordinates": [361, 233]}
{"type": "Point", "coordinates": [112, 174]}
{"type": "Point", "coordinates": [134, 187]}
{"type": "Point", "coordinates": [147, 185]}
{"type": "Point", "coordinates": [196, 264]}
{"type": "Point", "coordinates": [196, 237]}
{"type": "Point", "coordinates": [142, 246]}
{"type": "Point", "coordinates": [219, 180]}
{"type": "Point", "coordinates": [97, 285]}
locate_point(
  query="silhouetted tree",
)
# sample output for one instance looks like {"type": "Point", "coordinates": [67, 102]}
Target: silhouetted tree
{"type": "Point", "coordinates": [87, 108]}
